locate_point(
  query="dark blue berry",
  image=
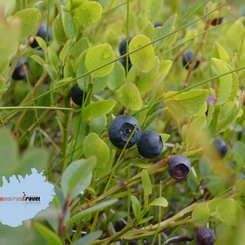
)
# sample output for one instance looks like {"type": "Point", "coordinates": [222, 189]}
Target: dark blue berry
{"type": "Point", "coordinates": [150, 144]}
{"type": "Point", "coordinates": [21, 70]}
{"type": "Point", "coordinates": [122, 46]}
{"type": "Point", "coordinates": [187, 59]}
{"type": "Point", "coordinates": [179, 167]}
{"type": "Point", "coordinates": [217, 21]}
{"type": "Point", "coordinates": [122, 128]}
{"type": "Point", "coordinates": [77, 95]}
{"type": "Point", "coordinates": [123, 62]}
{"type": "Point", "coordinates": [157, 24]}
{"type": "Point", "coordinates": [221, 147]}
{"type": "Point", "coordinates": [122, 51]}
{"type": "Point", "coordinates": [205, 236]}
{"type": "Point", "coordinates": [43, 32]}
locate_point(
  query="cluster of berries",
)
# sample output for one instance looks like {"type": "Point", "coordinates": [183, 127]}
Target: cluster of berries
{"type": "Point", "coordinates": [125, 131]}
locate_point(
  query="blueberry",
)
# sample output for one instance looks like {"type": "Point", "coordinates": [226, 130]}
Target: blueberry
{"type": "Point", "coordinates": [221, 147]}
{"type": "Point", "coordinates": [205, 236]}
{"type": "Point", "coordinates": [122, 128]}
{"type": "Point", "coordinates": [179, 167]}
{"type": "Point", "coordinates": [43, 32]}
{"type": "Point", "coordinates": [122, 45]}
{"type": "Point", "coordinates": [150, 144]}
{"type": "Point", "coordinates": [77, 95]}
{"type": "Point", "coordinates": [211, 100]}
{"type": "Point", "coordinates": [187, 59]}
{"type": "Point", "coordinates": [21, 70]}
{"type": "Point", "coordinates": [122, 51]}
{"type": "Point", "coordinates": [217, 21]}
{"type": "Point", "coordinates": [123, 62]}
{"type": "Point", "coordinates": [157, 24]}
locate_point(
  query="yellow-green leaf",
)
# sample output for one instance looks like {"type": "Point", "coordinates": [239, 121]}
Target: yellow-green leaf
{"type": "Point", "coordinates": [98, 108]}
{"type": "Point", "coordinates": [29, 19]}
{"type": "Point", "coordinates": [49, 235]}
{"type": "Point", "coordinates": [129, 96]}
{"type": "Point", "coordinates": [200, 214]}
{"type": "Point", "coordinates": [94, 146]}
{"type": "Point", "coordinates": [222, 54]}
{"type": "Point", "coordinates": [186, 104]}
{"type": "Point", "coordinates": [225, 82]}
{"type": "Point", "coordinates": [87, 13]}
{"type": "Point", "coordinates": [143, 59]}
{"type": "Point", "coordinates": [235, 37]}
{"type": "Point", "coordinates": [160, 202]}
{"type": "Point", "coordinates": [8, 43]}
{"type": "Point", "coordinates": [97, 57]}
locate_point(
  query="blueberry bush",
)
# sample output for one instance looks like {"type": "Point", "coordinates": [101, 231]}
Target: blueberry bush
{"type": "Point", "coordinates": [134, 110]}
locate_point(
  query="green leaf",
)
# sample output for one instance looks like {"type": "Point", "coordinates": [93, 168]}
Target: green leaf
{"type": "Point", "coordinates": [145, 81]}
{"type": "Point", "coordinates": [144, 59]}
{"type": "Point", "coordinates": [70, 28]}
{"type": "Point", "coordinates": [222, 54]}
{"type": "Point", "coordinates": [77, 176]}
{"type": "Point", "coordinates": [186, 104]}
{"type": "Point", "coordinates": [79, 47]}
{"type": "Point", "coordinates": [58, 31]}
{"type": "Point", "coordinates": [165, 137]}
{"type": "Point", "coordinates": [8, 45]}
{"type": "Point", "coordinates": [98, 108]}
{"type": "Point", "coordinates": [88, 239]}
{"type": "Point", "coordinates": [94, 146]}
{"type": "Point", "coordinates": [200, 214]}
{"type": "Point", "coordinates": [146, 181]}
{"type": "Point", "coordinates": [99, 84]}
{"type": "Point", "coordinates": [53, 59]}
{"type": "Point", "coordinates": [38, 59]}
{"type": "Point", "coordinates": [117, 77]}
{"type": "Point", "coordinates": [227, 113]}
{"type": "Point", "coordinates": [8, 154]}
{"type": "Point", "coordinates": [49, 69]}
{"type": "Point", "coordinates": [51, 237]}
{"type": "Point", "coordinates": [153, 8]}
{"type": "Point", "coordinates": [225, 82]}
{"type": "Point", "coordinates": [129, 96]}
{"type": "Point", "coordinates": [97, 57]}
{"type": "Point", "coordinates": [29, 19]}
{"type": "Point", "coordinates": [167, 27]}
{"type": "Point", "coordinates": [95, 208]}
{"type": "Point", "coordinates": [145, 220]}
{"type": "Point", "coordinates": [33, 158]}
{"type": "Point", "coordinates": [99, 124]}
{"type": "Point", "coordinates": [160, 202]}
{"type": "Point", "coordinates": [65, 51]}
{"type": "Point", "coordinates": [41, 42]}
{"type": "Point", "coordinates": [236, 30]}
{"type": "Point", "coordinates": [228, 211]}
{"type": "Point", "coordinates": [136, 206]}
{"type": "Point", "coordinates": [87, 13]}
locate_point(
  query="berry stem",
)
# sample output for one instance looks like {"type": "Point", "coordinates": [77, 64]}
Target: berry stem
{"type": "Point", "coordinates": [192, 64]}
{"type": "Point", "coordinates": [159, 166]}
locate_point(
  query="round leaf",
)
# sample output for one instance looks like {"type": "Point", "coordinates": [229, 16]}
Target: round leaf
{"type": "Point", "coordinates": [97, 57]}
{"type": "Point", "coordinates": [129, 96]}
{"type": "Point", "coordinates": [94, 146]}
{"type": "Point", "coordinates": [200, 214]}
{"type": "Point", "coordinates": [143, 59]}
{"type": "Point", "coordinates": [87, 13]}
